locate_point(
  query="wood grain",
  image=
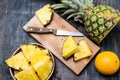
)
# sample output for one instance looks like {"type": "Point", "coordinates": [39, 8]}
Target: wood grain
{"type": "Point", "coordinates": [54, 43]}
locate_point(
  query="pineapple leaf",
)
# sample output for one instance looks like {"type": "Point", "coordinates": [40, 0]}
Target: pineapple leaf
{"type": "Point", "coordinates": [70, 4]}
{"type": "Point", "coordinates": [78, 18]}
{"type": "Point", "coordinates": [79, 4]}
{"type": "Point", "coordinates": [58, 6]}
{"type": "Point", "coordinates": [69, 11]}
{"type": "Point", "coordinates": [89, 3]}
{"type": "Point", "coordinates": [75, 14]}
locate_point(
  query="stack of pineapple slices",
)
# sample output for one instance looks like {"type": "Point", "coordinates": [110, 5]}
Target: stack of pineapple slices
{"type": "Point", "coordinates": [32, 63]}
{"type": "Point", "coordinates": [80, 50]}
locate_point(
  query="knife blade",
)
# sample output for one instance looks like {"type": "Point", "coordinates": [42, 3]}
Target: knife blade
{"type": "Point", "coordinates": [54, 31]}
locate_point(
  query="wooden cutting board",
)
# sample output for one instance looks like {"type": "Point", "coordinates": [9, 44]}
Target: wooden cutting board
{"type": "Point", "coordinates": [54, 43]}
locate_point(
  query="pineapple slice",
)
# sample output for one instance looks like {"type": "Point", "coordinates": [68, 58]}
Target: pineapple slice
{"type": "Point", "coordinates": [83, 51]}
{"type": "Point", "coordinates": [39, 56]}
{"type": "Point", "coordinates": [69, 47]}
{"type": "Point", "coordinates": [17, 62]}
{"type": "Point", "coordinates": [29, 50]}
{"type": "Point", "coordinates": [44, 67]}
{"type": "Point", "coordinates": [27, 74]}
{"type": "Point", "coordinates": [39, 59]}
{"type": "Point", "coordinates": [44, 14]}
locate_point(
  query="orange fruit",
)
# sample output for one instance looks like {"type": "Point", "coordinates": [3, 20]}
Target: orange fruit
{"type": "Point", "coordinates": [107, 63]}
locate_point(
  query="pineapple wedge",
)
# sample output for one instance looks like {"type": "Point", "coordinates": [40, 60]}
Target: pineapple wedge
{"type": "Point", "coordinates": [29, 50]}
{"type": "Point", "coordinates": [17, 62]}
{"type": "Point", "coordinates": [44, 14]}
{"type": "Point", "coordinates": [69, 47]}
{"type": "Point", "coordinates": [44, 67]}
{"type": "Point", "coordinates": [27, 74]}
{"type": "Point", "coordinates": [39, 59]}
{"type": "Point", "coordinates": [39, 56]}
{"type": "Point", "coordinates": [83, 50]}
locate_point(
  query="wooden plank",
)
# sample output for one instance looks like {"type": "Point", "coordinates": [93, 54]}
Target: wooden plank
{"type": "Point", "coordinates": [54, 43]}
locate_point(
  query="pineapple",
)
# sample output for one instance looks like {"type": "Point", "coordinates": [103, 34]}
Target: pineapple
{"type": "Point", "coordinates": [17, 62]}
{"type": "Point", "coordinates": [69, 47]}
{"type": "Point", "coordinates": [83, 50]}
{"type": "Point", "coordinates": [29, 50]}
{"type": "Point", "coordinates": [32, 63]}
{"type": "Point", "coordinates": [39, 59]}
{"type": "Point", "coordinates": [27, 74]}
{"type": "Point", "coordinates": [44, 14]}
{"type": "Point", "coordinates": [39, 56]}
{"type": "Point", "coordinates": [98, 21]}
{"type": "Point", "coordinates": [43, 67]}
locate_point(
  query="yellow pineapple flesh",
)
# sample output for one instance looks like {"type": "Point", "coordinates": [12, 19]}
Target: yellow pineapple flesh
{"type": "Point", "coordinates": [39, 59]}
{"type": "Point", "coordinates": [39, 56]}
{"type": "Point", "coordinates": [69, 47]}
{"type": "Point", "coordinates": [44, 67]}
{"type": "Point", "coordinates": [32, 63]}
{"type": "Point", "coordinates": [17, 62]}
{"type": "Point", "coordinates": [44, 14]}
{"type": "Point", "coordinates": [29, 50]}
{"type": "Point", "coordinates": [82, 51]}
{"type": "Point", "coordinates": [27, 74]}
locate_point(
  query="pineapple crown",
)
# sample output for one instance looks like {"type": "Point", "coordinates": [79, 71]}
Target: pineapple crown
{"type": "Point", "coordinates": [74, 8]}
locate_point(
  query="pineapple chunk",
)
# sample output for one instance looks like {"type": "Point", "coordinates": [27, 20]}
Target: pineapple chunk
{"type": "Point", "coordinates": [83, 50]}
{"type": "Point", "coordinates": [17, 62]}
{"type": "Point", "coordinates": [37, 57]}
{"type": "Point", "coordinates": [44, 14]}
{"type": "Point", "coordinates": [27, 74]}
{"type": "Point", "coordinates": [44, 67]}
{"type": "Point", "coordinates": [69, 47]}
{"type": "Point", "coordinates": [29, 50]}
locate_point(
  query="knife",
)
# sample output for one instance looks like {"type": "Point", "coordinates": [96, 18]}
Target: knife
{"type": "Point", "coordinates": [54, 31]}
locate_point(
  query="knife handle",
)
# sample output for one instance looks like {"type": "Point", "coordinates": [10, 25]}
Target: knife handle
{"type": "Point", "coordinates": [40, 30]}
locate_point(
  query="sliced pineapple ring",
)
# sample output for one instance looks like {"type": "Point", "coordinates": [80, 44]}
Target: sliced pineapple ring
{"type": "Point", "coordinates": [44, 14]}
{"type": "Point", "coordinates": [83, 50]}
{"type": "Point", "coordinates": [27, 74]}
{"type": "Point", "coordinates": [17, 62]}
{"type": "Point", "coordinates": [69, 47]}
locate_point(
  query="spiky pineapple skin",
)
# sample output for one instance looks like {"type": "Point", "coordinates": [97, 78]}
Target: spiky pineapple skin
{"type": "Point", "coordinates": [100, 21]}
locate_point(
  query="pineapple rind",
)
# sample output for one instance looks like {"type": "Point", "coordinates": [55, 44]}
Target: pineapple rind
{"type": "Point", "coordinates": [27, 74]}
{"type": "Point", "coordinates": [83, 51]}
{"type": "Point", "coordinates": [17, 62]}
{"type": "Point", "coordinates": [99, 29]}
{"type": "Point", "coordinates": [69, 47]}
{"type": "Point", "coordinates": [98, 21]}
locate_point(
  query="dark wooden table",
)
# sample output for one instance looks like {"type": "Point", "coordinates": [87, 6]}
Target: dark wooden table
{"type": "Point", "coordinates": [15, 13]}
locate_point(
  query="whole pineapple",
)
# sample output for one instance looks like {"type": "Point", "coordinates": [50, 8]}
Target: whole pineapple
{"type": "Point", "coordinates": [98, 21]}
